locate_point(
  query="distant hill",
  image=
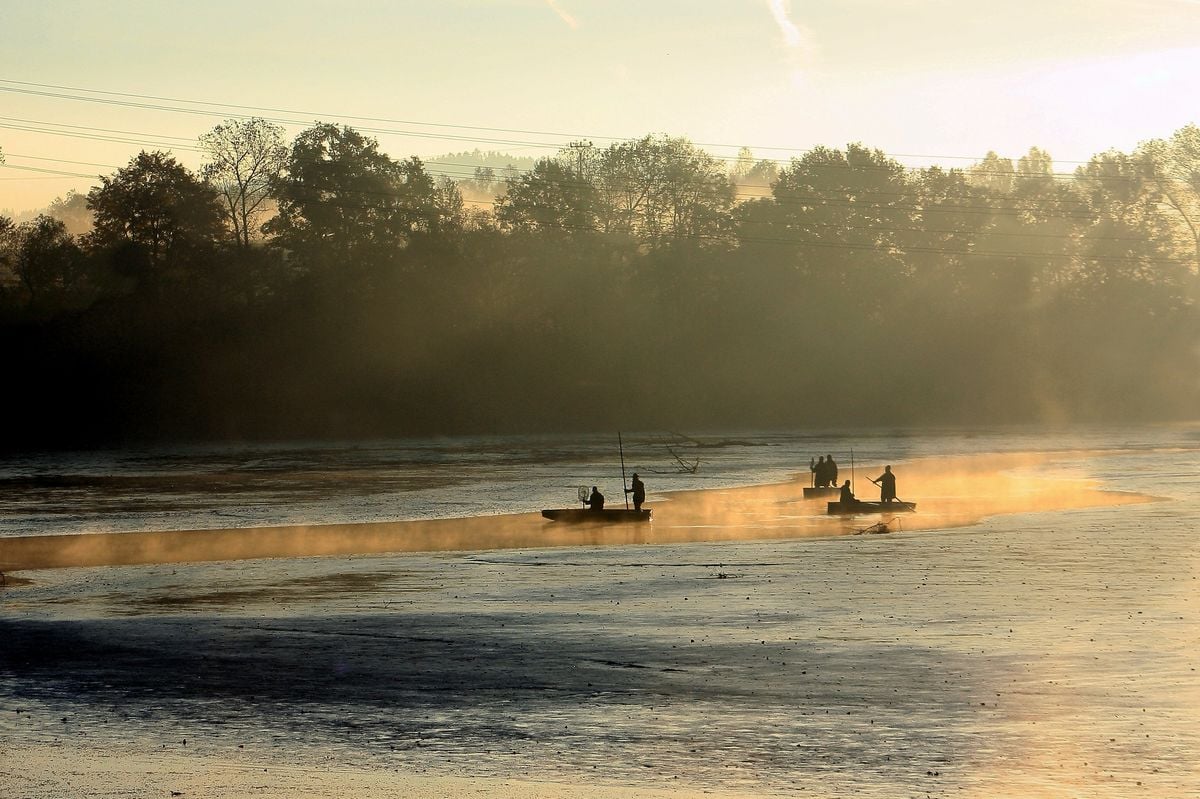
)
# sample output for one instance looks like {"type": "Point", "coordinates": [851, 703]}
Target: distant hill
{"type": "Point", "coordinates": [461, 166]}
{"type": "Point", "coordinates": [71, 210]}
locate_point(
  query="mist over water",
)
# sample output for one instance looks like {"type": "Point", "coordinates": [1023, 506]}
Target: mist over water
{"type": "Point", "coordinates": [304, 483]}
{"type": "Point", "coordinates": [171, 506]}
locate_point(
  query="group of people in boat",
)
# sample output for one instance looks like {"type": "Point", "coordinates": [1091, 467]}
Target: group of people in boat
{"type": "Point", "coordinates": [887, 488]}
{"type": "Point", "coordinates": [825, 474]}
{"type": "Point", "coordinates": [637, 489]}
{"type": "Point", "coordinates": [825, 471]}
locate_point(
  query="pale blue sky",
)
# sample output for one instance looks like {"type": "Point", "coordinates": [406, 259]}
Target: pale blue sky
{"type": "Point", "coordinates": [933, 77]}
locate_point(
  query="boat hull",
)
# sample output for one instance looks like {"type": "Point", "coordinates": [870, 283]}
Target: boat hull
{"type": "Point", "coordinates": [606, 516]}
{"type": "Point", "coordinates": [820, 493]}
{"type": "Point", "coordinates": [848, 509]}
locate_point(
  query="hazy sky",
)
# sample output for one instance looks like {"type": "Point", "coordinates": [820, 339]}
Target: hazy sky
{"type": "Point", "coordinates": [913, 77]}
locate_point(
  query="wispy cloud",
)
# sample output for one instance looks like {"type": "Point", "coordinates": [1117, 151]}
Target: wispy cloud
{"type": "Point", "coordinates": [791, 34]}
{"type": "Point", "coordinates": [795, 39]}
{"type": "Point", "coordinates": [572, 23]}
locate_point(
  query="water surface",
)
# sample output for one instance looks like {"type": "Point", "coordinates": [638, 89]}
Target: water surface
{"type": "Point", "coordinates": [1041, 654]}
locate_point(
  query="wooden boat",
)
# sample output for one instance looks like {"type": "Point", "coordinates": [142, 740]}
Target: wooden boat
{"type": "Point", "coordinates": [585, 515]}
{"type": "Point", "coordinates": [811, 492]}
{"type": "Point", "coordinates": [588, 516]}
{"type": "Point", "coordinates": [847, 509]}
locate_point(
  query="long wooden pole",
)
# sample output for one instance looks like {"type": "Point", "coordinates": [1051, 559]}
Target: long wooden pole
{"type": "Point", "coordinates": [621, 446]}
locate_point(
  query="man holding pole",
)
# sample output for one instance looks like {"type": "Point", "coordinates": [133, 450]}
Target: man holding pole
{"type": "Point", "coordinates": [887, 485]}
{"type": "Point", "coordinates": [638, 489]}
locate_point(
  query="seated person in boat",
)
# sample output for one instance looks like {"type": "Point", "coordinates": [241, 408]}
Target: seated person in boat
{"type": "Point", "coordinates": [638, 489]}
{"type": "Point", "coordinates": [596, 500]}
{"type": "Point", "coordinates": [847, 496]}
{"type": "Point", "coordinates": [887, 485]}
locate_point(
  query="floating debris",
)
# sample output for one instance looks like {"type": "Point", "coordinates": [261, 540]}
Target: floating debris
{"type": "Point", "coordinates": [877, 528]}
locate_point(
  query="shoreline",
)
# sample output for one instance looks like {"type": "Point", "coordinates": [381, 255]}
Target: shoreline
{"type": "Point", "coordinates": [954, 492]}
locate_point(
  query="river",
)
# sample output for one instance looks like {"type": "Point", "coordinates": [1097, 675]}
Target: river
{"type": "Point", "coordinates": [1042, 653]}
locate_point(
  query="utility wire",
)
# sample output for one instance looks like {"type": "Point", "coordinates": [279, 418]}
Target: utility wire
{"type": "Point", "coordinates": [38, 91]}
{"type": "Point", "coordinates": [47, 171]}
{"type": "Point", "coordinates": [445, 169]}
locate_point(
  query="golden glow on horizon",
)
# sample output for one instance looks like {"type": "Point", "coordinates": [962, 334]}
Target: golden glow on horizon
{"type": "Point", "coordinates": [937, 79]}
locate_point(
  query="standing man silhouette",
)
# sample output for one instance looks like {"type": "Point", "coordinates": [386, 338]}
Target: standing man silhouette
{"type": "Point", "coordinates": [887, 485]}
{"type": "Point", "coordinates": [638, 489]}
{"type": "Point", "coordinates": [820, 472]}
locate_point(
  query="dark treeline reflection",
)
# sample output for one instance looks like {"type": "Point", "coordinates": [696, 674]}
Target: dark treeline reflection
{"type": "Point", "coordinates": [323, 288]}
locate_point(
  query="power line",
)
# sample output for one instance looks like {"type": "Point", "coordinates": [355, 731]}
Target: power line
{"type": "Point", "coordinates": [798, 199]}
{"type": "Point", "coordinates": [429, 135]}
{"type": "Point", "coordinates": [283, 121]}
{"type": "Point", "coordinates": [310, 113]}
{"type": "Point", "coordinates": [93, 129]}
{"type": "Point", "coordinates": [59, 160]}
{"type": "Point", "coordinates": [47, 171]}
{"type": "Point", "coordinates": [93, 137]}
{"type": "Point", "coordinates": [38, 178]}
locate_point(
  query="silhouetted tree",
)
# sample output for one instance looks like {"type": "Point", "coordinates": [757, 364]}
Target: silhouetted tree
{"type": "Point", "coordinates": [742, 164]}
{"type": "Point", "coordinates": [156, 215]}
{"type": "Point", "coordinates": [243, 158]}
{"type": "Point", "coordinates": [846, 213]}
{"type": "Point", "coordinates": [73, 212]}
{"type": "Point", "coordinates": [450, 214]}
{"type": "Point", "coordinates": [1176, 175]}
{"type": "Point", "coordinates": [752, 178]}
{"type": "Point", "coordinates": [485, 178]}
{"type": "Point", "coordinates": [551, 196]}
{"type": "Point", "coordinates": [343, 202]}
{"type": "Point", "coordinates": [952, 210]}
{"type": "Point", "coordinates": [483, 186]}
{"type": "Point", "coordinates": [48, 262]}
{"type": "Point", "coordinates": [1035, 163]}
{"type": "Point", "coordinates": [660, 187]}
{"type": "Point", "coordinates": [993, 173]}
{"type": "Point", "coordinates": [1128, 245]}
{"type": "Point", "coordinates": [7, 228]}
{"type": "Point", "coordinates": [8, 250]}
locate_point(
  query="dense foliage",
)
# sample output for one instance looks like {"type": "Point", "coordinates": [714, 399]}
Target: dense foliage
{"type": "Point", "coordinates": [326, 289]}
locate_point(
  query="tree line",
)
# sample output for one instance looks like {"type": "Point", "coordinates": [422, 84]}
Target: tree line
{"type": "Point", "coordinates": [320, 287]}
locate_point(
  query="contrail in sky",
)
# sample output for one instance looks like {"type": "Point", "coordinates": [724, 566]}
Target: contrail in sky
{"type": "Point", "coordinates": [567, 18]}
{"type": "Point", "coordinates": [797, 41]}
{"type": "Point", "coordinates": [791, 34]}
